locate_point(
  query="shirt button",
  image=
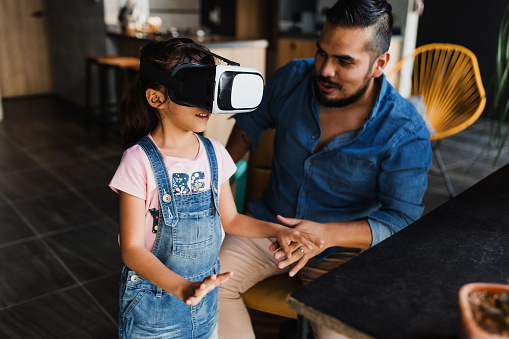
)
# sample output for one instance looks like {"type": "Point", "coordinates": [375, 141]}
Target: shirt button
{"type": "Point", "coordinates": [303, 193]}
{"type": "Point", "coordinates": [309, 163]}
{"type": "Point", "coordinates": [135, 278]}
{"type": "Point", "coordinates": [313, 137]}
{"type": "Point", "coordinates": [167, 198]}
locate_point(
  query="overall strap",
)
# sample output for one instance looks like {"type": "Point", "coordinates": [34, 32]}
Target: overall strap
{"type": "Point", "coordinates": [164, 189]}
{"type": "Point", "coordinates": [214, 176]}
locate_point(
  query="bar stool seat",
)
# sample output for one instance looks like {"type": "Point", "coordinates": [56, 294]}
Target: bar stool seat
{"type": "Point", "coordinates": [120, 62]}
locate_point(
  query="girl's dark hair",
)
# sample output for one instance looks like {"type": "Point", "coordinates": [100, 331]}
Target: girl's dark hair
{"type": "Point", "coordinates": [137, 117]}
{"type": "Point", "coordinates": [375, 14]}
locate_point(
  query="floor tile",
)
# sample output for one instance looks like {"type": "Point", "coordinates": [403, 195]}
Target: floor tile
{"type": "Point", "coordinates": [57, 211]}
{"type": "Point", "coordinates": [92, 145]}
{"type": "Point", "coordinates": [29, 183]}
{"type": "Point", "coordinates": [28, 133]}
{"type": "Point", "coordinates": [105, 290]}
{"type": "Point", "coordinates": [12, 158]}
{"type": "Point", "coordinates": [112, 162]}
{"type": "Point", "coordinates": [29, 270]}
{"type": "Point", "coordinates": [64, 315]}
{"type": "Point", "coordinates": [104, 198]}
{"type": "Point", "coordinates": [89, 252]}
{"type": "Point", "coordinates": [83, 173]}
{"type": "Point", "coordinates": [48, 147]}
{"type": "Point", "coordinates": [13, 227]}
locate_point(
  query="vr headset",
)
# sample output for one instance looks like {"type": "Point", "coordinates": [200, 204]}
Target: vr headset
{"type": "Point", "coordinates": [218, 89]}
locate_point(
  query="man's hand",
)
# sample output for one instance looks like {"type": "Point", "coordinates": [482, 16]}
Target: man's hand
{"type": "Point", "coordinates": [295, 251]}
{"type": "Point", "coordinates": [197, 290]}
{"type": "Point", "coordinates": [290, 238]}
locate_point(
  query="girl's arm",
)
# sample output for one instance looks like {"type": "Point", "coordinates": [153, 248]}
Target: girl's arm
{"type": "Point", "coordinates": [143, 262]}
{"type": "Point", "coordinates": [240, 224]}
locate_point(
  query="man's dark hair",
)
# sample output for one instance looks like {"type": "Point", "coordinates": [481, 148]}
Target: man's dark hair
{"type": "Point", "coordinates": [375, 14]}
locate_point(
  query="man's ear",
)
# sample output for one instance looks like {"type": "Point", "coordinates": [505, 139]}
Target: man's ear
{"type": "Point", "coordinates": [155, 98]}
{"type": "Point", "coordinates": [380, 64]}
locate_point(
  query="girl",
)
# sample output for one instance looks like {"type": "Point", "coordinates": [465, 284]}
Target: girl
{"type": "Point", "coordinates": [175, 201]}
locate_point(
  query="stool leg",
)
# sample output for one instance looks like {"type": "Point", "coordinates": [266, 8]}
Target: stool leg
{"type": "Point", "coordinates": [104, 98]}
{"type": "Point", "coordinates": [88, 104]}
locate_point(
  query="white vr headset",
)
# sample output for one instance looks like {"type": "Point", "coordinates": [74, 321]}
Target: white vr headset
{"type": "Point", "coordinates": [218, 89]}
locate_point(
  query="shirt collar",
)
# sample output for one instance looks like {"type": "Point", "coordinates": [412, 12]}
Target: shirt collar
{"type": "Point", "coordinates": [382, 82]}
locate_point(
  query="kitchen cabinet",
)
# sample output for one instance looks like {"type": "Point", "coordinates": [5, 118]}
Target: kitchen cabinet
{"type": "Point", "coordinates": [295, 48]}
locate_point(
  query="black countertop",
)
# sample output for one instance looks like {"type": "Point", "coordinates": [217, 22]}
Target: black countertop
{"type": "Point", "coordinates": [407, 285]}
{"type": "Point", "coordinates": [211, 41]}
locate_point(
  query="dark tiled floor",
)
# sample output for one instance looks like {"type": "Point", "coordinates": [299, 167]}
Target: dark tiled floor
{"type": "Point", "coordinates": [59, 257]}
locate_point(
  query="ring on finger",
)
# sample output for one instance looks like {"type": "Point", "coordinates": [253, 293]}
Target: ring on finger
{"type": "Point", "coordinates": [302, 250]}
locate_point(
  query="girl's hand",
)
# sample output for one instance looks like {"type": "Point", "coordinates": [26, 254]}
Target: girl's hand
{"type": "Point", "coordinates": [291, 239]}
{"type": "Point", "coordinates": [195, 292]}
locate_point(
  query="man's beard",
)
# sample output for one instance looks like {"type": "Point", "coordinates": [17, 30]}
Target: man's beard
{"type": "Point", "coordinates": [342, 101]}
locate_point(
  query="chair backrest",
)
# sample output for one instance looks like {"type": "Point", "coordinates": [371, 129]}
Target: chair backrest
{"type": "Point", "coordinates": [447, 77]}
{"type": "Point", "coordinates": [259, 167]}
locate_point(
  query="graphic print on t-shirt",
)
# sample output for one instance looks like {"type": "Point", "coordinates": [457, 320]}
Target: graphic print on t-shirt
{"type": "Point", "coordinates": [155, 215]}
{"type": "Point", "coordinates": [182, 184]}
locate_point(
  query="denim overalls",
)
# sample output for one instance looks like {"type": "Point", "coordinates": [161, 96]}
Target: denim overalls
{"type": "Point", "coordinates": [187, 242]}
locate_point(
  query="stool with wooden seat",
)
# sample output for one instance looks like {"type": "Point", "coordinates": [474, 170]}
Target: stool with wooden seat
{"type": "Point", "coordinates": [268, 295]}
{"type": "Point", "coordinates": [123, 69]}
{"type": "Point", "coordinates": [91, 63]}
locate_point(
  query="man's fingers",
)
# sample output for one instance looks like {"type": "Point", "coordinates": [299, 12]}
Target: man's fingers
{"type": "Point", "coordinates": [274, 246]}
{"type": "Point", "coordinates": [302, 262]}
{"type": "Point", "coordinates": [313, 240]}
{"type": "Point", "coordinates": [292, 247]}
{"type": "Point", "coordinates": [299, 238]}
{"type": "Point", "coordinates": [297, 255]}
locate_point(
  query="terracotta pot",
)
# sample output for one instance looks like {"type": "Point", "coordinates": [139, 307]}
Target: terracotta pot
{"type": "Point", "coordinates": [468, 327]}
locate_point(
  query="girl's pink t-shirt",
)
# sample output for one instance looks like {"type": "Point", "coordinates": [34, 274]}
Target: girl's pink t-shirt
{"type": "Point", "coordinates": [135, 176]}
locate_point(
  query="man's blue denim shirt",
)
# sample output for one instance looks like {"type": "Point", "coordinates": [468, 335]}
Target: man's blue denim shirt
{"type": "Point", "coordinates": [378, 172]}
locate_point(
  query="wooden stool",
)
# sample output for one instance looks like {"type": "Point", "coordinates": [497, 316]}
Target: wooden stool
{"type": "Point", "coordinates": [91, 61]}
{"type": "Point", "coordinates": [124, 69]}
{"type": "Point", "coordinates": [270, 296]}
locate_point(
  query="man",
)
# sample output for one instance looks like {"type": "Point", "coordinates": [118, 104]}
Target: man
{"type": "Point", "coordinates": [350, 158]}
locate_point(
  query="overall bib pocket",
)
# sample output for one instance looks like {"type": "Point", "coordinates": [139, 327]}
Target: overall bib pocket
{"type": "Point", "coordinates": [193, 235]}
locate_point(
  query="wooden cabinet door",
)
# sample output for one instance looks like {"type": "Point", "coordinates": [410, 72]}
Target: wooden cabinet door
{"type": "Point", "coordinates": [24, 52]}
{"type": "Point", "coordinates": [289, 49]}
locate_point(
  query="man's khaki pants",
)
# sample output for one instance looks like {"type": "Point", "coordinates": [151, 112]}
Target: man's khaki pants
{"type": "Point", "coordinates": [251, 262]}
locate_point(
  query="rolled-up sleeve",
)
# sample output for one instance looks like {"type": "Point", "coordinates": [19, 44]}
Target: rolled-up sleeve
{"type": "Point", "coordinates": [402, 182]}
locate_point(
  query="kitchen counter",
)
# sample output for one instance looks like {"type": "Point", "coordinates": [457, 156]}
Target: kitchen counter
{"type": "Point", "coordinates": [129, 44]}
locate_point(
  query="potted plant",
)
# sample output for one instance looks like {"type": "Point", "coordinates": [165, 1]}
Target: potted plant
{"type": "Point", "coordinates": [483, 311]}
{"type": "Point", "coordinates": [499, 89]}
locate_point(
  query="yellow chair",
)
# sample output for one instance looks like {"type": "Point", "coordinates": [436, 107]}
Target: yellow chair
{"type": "Point", "coordinates": [269, 295]}
{"type": "Point", "coordinates": [448, 80]}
